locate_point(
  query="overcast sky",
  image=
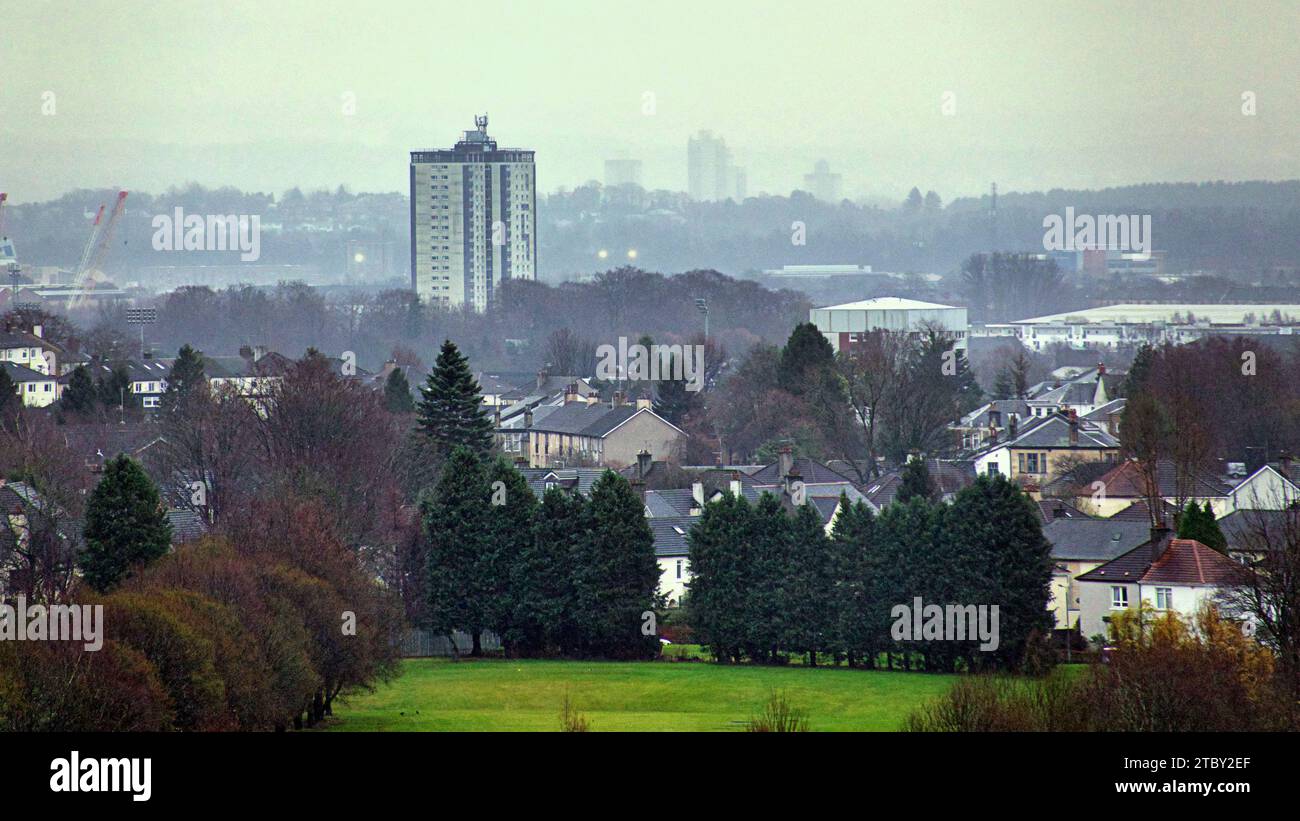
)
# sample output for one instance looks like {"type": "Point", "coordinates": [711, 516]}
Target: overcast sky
{"type": "Point", "coordinates": [252, 94]}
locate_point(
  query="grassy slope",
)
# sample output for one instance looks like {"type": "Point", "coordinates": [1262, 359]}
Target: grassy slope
{"type": "Point", "coordinates": [526, 695]}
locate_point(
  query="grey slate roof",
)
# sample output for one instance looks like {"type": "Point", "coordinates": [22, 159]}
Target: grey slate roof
{"type": "Point", "coordinates": [578, 480]}
{"type": "Point", "coordinates": [670, 503]}
{"type": "Point", "coordinates": [22, 373]}
{"type": "Point", "coordinates": [1096, 540]}
{"type": "Point", "coordinates": [826, 506]}
{"type": "Point", "coordinates": [810, 471]}
{"type": "Point", "coordinates": [670, 534]}
{"type": "Point", "coordinates": [581, 419]}
{"type": "Point", "coordinates": [1054, 432]}
{"type": "Point", "coordinates": [186, 525]}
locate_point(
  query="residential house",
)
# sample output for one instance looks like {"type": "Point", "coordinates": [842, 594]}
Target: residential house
{"type": "Point", "coordinates": [36, 389]}
{"type": "Point", "coordinates": [672, 554]}
{"type": "Point", "coordinates": [991, 422]}
{"type": "Point", "coordinates": [33, 350]}
{"type": "Point", "coordinates": [949, 478]}
{"type": "Point", "coordinates": [1125, 485]}
{"type": "Point", "coordinates": [1081, 394]}
{"type": "Point", "coordinates": [587, 433]}
{"type": "Point", "coordinates": [1078, 546]}
{"type": "Point", "coordinates": [1167, 574]}
{"type": "Point", "coordinates": [1047, 448]}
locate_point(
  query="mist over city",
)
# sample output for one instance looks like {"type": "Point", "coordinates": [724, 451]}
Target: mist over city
{"type": "Point", "coordinates": [580, 366]}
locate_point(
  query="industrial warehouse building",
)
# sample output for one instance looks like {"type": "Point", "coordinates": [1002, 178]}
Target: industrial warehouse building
{"type": "Point", "coordinates": [846, 324]}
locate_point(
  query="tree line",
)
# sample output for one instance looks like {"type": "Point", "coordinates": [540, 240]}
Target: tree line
{"type": "Point", "coordinates": [768, 582]}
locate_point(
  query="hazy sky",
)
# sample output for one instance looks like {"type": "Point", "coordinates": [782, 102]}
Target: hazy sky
{"type": "Point", "coordinates": [252, 94]}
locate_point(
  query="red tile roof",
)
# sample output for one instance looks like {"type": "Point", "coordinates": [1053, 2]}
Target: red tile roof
{"type": "Point", "coordinates": [1188, 562]}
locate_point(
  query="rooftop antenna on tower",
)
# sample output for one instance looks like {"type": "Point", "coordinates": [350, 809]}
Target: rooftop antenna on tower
{"type": "Point", "coordinates": [481, 123]}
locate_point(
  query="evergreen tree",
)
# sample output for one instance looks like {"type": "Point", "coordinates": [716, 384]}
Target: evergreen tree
{"type": "Point", "coordinates": [185, 379]}
{"type": "Point", "coordinates": [397, 393]}
{"type": "Point", "coordinates": [455, 514]}
{"type": "Point", "coordinates": [851, 555]}
{"type": "Point", "coordinates": [1139, 372]}
{"type": "Point", "coordinates": [806, 360]}
{"type": "Point", "coordinates": [771, 555]}
{"type": "Point", "coordinates": [126, 526]}
{"type": "Point", "coordinates": [114, 390]}
{"type": "Point", "coordinates": [672, 400]}
{"type": "Point", "coordinates": [79, 394]}
{"type": "Point", "coordinates": [451, 411]}
{"type": "Point", "coordinates": [10, 401]}
{"type": "Point", "coordinates": [720, 576]}
{"type": "Point", "coordinates": [543, 574]}
{"type": "Point", "coordinates": [904, 561]}
{"type": "Point", "coordinates": [1199, 524]}
{"type": "Point", "coordinates": [617, 575]}
{"type": "Point", "coordinates": [508, 533]}
{"type": "Point", "coordinates": [993, 543]}
{"type": "Point", "coordinates": [809, 591]}
{"type": "Point", "coordinates": [916, 482]}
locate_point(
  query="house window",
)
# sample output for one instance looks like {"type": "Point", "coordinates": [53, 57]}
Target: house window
{"type": "Point", "coordinates": [1164, 598]}
{"type": "Point", "coordinates": [1032, 462]}
{"type": "Point", "coordinates": [993, 469]}
{"type": "Point", "coordinates": [1118, 598]}
{"type": "Point", "coordinates": [679, 568]}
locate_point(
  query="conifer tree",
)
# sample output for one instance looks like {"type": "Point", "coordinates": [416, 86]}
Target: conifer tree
{"type": "Point", "coordinates": [185, 379]}
{"type": "Point", "coordinates": [451, 411]}
{"type": "Point", "coordinates": [770, 560]}
{"type": "Point", "coordinates": [809, 592]}
{"type": "Point", "coordinates": [126, 527]}
{"type": "Point", "coordinates": [507, 534]}
{"type": "Point", "coordinates": [851, 549]}
{"type": "Point", "coordinates": [721, 576]}
{"type": "Point", "coordinates": [1199, 524]}
{"type": "Point", "coordinates": [916, 482]}
{"type": "Point", "coordinates": [543, 575]}
{"type": "Point", "coordinates": [397, 393]}
{"type": "Point", "coordinates": [454, 514]}
{"type": "Point", "coordinates": [993, 542]}
{"type": "Point", "coordinates": [79, 395]}
{"type": "Point", "coordinates": [617, 576]}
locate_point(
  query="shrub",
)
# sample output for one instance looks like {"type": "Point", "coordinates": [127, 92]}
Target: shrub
{"type": "Point", "coordinates": [778, 716]}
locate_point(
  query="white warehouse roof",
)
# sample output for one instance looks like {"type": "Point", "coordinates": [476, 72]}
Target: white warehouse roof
{"type": "Point", "coordinates": [887, 303]}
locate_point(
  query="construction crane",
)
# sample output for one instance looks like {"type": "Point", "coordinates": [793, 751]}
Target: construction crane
{"type": "Point", "coordinates": [3, 197]}
{"type": "Point", "coordinates": [92, 258]}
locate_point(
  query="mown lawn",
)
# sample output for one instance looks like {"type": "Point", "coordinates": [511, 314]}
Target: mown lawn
{"type": "Point", "coordinates": [498, 694]}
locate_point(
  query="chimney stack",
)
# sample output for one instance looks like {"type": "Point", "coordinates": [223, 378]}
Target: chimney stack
{"type": "Point", "coordinates": [1011, 428]}
{"type": "Point", "coordinates": [541, 379]}
{"type": "Point", "coordinates": [1160, 537]}
{"type": "Point", "coordinates": [697, 498]}
{"type": "Point", "coordinates": [1074, 428]}
{"type": "Point", "coordinates": [735, 484]}
{"type": "Point", "coordinates": [643, 463]}
{"type": "Point", "coordinates": [38, 331]}
{"type": "Point", "coordinates": [785, 460]}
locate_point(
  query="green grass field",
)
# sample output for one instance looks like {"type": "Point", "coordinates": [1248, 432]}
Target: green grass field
{"type": "Point", "coordinates": [498, 694]}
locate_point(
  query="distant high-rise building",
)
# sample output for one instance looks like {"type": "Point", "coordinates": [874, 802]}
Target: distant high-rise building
{"type": "Point", "coordinates": [622, 172]}
{"type": "Point", "coordinates": [822, 184]}
{"type": "Point", "coordinates": [710, 173]}
{"type": "Point", "coordinates": [473, 219]}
